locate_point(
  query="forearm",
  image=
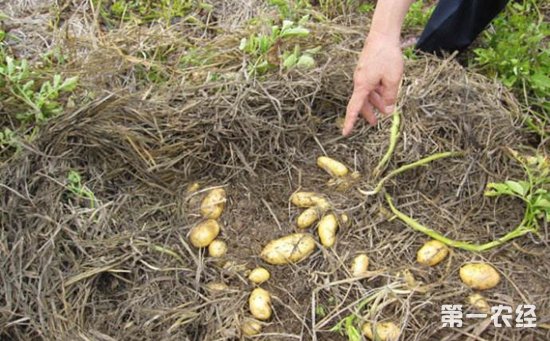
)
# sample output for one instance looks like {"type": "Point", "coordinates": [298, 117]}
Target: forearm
{"type": "Point", "coordinates": [388, 18]}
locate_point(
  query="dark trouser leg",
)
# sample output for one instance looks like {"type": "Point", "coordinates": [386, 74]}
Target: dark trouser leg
{"type": "Point", "coordinates": [455, 24]}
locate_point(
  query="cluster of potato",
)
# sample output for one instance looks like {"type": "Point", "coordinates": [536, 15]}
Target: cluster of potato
{"type": "Point", "coordinates": [205, 233]}
{"type": "Point", "coordinates": [480, 276]}
{"type": "Point", "coordinates": [296, 247]}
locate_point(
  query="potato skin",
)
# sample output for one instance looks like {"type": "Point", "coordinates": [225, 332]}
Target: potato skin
{"type": "Point", "coordinates": [289, 249]}
{"type": "Point", "coordinates": [479, 302]}
{"type": "Point", "coordinates": [308, 199]}
{"type": "Point", "coordinates": [333, 167]}
{"type": "Point", "coordinates": [259, 275]}
{"type": "Point", "coordinates": [251, 327]}
{"type": "Point", "coordinates": [432, 253]}
{"type": "Point", "coordinates": [218, 248]}
{"type": "Point", "coordinates": [385, 331]}
{"type": "Point", "coordinates": [327, 230]}
{"type": "Point", "coordinates": [480, 276]}
{"type": "Point", "coordinates": [307, 218]}
{"type": "Point", "coordinates": [204, 233]}
{"type": "Point", "coordinates": [359, 265]}
{"type": "Point", "coordinates": [260, 304]}
{"type": "Point", "coordinates": [213, 203]}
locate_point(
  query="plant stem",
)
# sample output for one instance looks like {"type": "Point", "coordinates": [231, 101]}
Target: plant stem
{"type": "Point", "coordinates": [409, 166]}
{"type": "Point", "coordinates": [519, 231]}
{"type": "Point", "coordinates": [394, 136]}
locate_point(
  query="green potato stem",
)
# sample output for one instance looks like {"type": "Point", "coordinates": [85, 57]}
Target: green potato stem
{"type": "Point", "coordinates": [519, 231]}
{"type": "Point", "coordinates": [394, 136]}
{"type": "Point", "coordinates": [409, 166]}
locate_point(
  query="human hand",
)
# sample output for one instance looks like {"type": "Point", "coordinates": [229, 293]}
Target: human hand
{"type": "Point", "coordinates": [375, 81]}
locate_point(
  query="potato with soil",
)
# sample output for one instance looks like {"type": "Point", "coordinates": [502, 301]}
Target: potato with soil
{"type": "Point", "coordinates": [309, 199]}
{"type": "Point", "coordinates": [333, 167]}
{"type": "Point", "coordinates": [479, 302]}
{"type": "Point", "coordinates": [251, 327]}
{"type": "Point", "coordinates": [218, 248]}
{"type": "Point", "coordinates": [259, 275]}
{"type": "Point", "coordinates": [432, 253]}
{"type": "Point", "coordinates": [289, 249]}
{"type": "Point", "coordinates": [383, 331]}
{"type": "Point", "coordinates": [327, 230]}
{"type": "Point", "coordinates": [308, 217]}
{"type": "Point", "coordinates": [213, 203]}
{"type": "Point", "coordinates": [359, 265]}
{"type": "Point", "coordinates": [480, 276]}
{"type": "Point", "coordinates": [260, 304]}
{"type": "Point", "coordinates": [204, 233]}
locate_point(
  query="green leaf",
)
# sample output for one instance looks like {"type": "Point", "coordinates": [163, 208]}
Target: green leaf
{"type": "Point", "coordinates": [306, 62]}
{"type": "Point", "coordinates": [516, 187]}
{"type": "Point", "coordinates": [69, 84]}
{"type": "Point", "coordinates": [295, 32]}
{"type": "Point", "coordinates": [290, 61]}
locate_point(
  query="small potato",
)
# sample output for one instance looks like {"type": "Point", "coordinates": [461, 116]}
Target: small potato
{"type": "Point", "coordinates": [193, 187]}
{"type": "Point", "coordinates": [479, 276]}
{"type": "Point", "coordinates": [331, 166]}
{"type": "Point", "coordinates": [251, 327]}
{"type": "Point", "coordinates": [259, 275]}
{"type": "Point", "coordinates": [309, 199]}
{"type": "Point", "coordinates": [216, 286]}
{"type": "Point", "coordinates": [218, 248]}
{"type": "Point", "coordinates": [327, 230]}
{"type": "Point", "coordinates": [344, 220]}
{"type": "Point", "coordinates": [384, 331]}
{"type": "Point", "coordinates": [213, 203]}
{"type": "Point", "coordinates": [359, 265]}
{"type": "Point", "coordinates": [432, 253]}
{"type": "Point", "coordinates": [260, 304]}
{"type": "Point", "coordinates": [204, 233]}
{"type": "Point", "coordinates": [479, 302]}
{"type": "Point", "coordinates": [307, 217]}
{"type": "Point", "coordinates": [290, 249]}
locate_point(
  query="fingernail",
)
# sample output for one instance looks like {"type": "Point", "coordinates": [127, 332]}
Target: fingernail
{"type": "Point", "coordinates": [389, 109]}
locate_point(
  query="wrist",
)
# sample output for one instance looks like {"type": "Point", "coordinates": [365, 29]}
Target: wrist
{"type": "Point", "coordinates": [385, 37]}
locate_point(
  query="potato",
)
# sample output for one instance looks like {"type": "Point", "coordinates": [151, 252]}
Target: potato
{"type": "Point", "coordinates": [359, 265]}
{"type": "Point", "coordinates": [193, 187]}
{"type": "Point", "coordinates": [290, 249]}
{"type": "Point", "coordinates": [204, 233]}
{"type": "Point", "coordinates": [260, 304]}
{"type": "Point", "coordinates": [432, 253]}
{"type": "Point", "coordinates": [479, 276]}
{"type": "Point", "coordinates": [331, 166]}
{"type": "Point", "coordinates": [479, 302]}
{"type": "Point", "coordinates": [216, 286]}
{"type": "Point", "coordinates": [309, 199]}
{"type": "Point", "coordinates": [344, 220]}
{"type": "Point", "coordinates": [218, 248]}
{"type": "Point", "coordinates": [307, 217]}
{"type": "Point", "coordinates": [213, 203]}
{"type": "Point", "coordinates": [259, 275]}
{"type": "Point", "coordinates": [327, 230]}
{"type": "Point", "coordinates": [251, 327]}
{"type": "Point", "coordinates": [384, 331]}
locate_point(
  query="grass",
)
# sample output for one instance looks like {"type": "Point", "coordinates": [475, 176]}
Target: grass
{"type": "Point", "coordinates": [31, 95]}
{"type": "Point", "coordinates": [515, 50]}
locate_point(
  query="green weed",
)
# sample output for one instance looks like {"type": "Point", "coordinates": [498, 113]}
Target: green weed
{"type": "Point", "coordinates": [75, 186]}
{"type": "Point", "coordinates": [418, 15]}
{"type": "Point", "coordinates": [516, 51]}
{"type": "Point", "coordinates": [262, 48]}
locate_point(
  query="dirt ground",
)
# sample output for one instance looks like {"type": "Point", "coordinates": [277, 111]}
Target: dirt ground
{"type": "Point", "coordinates": [122, 267]}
